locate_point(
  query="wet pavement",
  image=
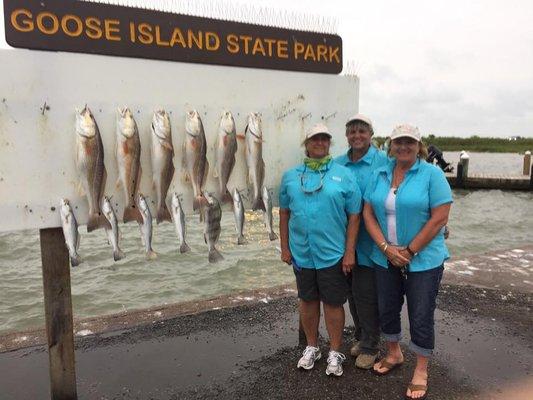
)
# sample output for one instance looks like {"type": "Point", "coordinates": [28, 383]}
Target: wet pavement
{"type": "Point", "coordinates": [484, 350]}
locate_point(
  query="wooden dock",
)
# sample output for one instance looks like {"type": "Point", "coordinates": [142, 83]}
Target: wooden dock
{"type": "Point", "coordinates": [463, 180]}
{"type": "Point", "coordinates": [491, 181]}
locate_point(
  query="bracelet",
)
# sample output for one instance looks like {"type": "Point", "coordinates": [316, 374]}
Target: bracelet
{"type": "Point", "coordinates": [410, 251]}
{"type": "Point", "coordinates": [382, 244]}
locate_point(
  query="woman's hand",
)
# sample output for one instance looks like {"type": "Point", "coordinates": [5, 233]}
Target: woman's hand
{"type": "Point", "coordinates": [395, 255]}
{"type": "Point", "coordinates": [348, 262]}
{"type": "Point", "coordinates": [405, 253]}
{"type": "Point", "coordinates": [286, 256]}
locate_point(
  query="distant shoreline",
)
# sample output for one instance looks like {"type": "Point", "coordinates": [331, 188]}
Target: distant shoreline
{"type": "Point", "coordinates": [476, 144]}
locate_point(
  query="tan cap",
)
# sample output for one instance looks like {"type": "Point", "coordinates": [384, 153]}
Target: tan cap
{"type": "Point", "coordinates": [317, 129]}
{"type": "Point", "coordinates": [406, 130]}
{"type": "Point", "coordinates": [360, 117]}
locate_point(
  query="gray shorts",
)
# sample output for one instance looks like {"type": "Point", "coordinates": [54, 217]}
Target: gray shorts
{"type": "Point", "coordinates": [328, 285]}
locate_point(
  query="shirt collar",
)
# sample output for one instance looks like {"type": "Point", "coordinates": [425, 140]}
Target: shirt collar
{"type": "Point", "coordinates": [302, 167]}
{"type": "Point", "coordinates": [367, 158]}
{"type": "Point", "coordinates": [389, 167]}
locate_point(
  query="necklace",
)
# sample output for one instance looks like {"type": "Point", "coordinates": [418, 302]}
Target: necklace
{"type": "Point", "coordinates": [397, 179]}
{"type": "Point", "coordinates": [320, 185]}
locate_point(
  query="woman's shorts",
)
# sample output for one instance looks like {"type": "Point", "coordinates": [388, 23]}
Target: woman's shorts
{"type": "Point", "coordinates": [328, 285]}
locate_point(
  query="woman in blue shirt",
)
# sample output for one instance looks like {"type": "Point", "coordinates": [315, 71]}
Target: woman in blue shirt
{"type": "Point", "coordinates": [407, 203]}
{"type": "Point", "coordinates": [319, 218]}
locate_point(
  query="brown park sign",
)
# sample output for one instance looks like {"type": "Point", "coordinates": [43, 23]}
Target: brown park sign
{"type": "Point", "coordinates": [87, 27]}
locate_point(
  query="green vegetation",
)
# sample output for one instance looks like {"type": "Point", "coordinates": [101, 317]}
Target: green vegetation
{"type": "Point", "coordinates": [476, 144]}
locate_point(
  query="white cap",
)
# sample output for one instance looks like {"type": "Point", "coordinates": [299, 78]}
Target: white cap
{"type": "Point", "coordinates": [317, 129]}
{"type": "Point", "coordinates": [406, 130]}
{"type": "Point", "coordinates": [360, 117]}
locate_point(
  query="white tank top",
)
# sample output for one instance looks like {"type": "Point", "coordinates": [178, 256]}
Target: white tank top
{"type": "Point", "coordinates": [390, 211]}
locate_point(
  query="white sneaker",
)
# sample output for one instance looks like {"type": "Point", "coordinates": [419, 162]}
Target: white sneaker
{"type": "Point", "coordinates": [335, 360]}
{"type": "Point", "coordinates": [310, 355]}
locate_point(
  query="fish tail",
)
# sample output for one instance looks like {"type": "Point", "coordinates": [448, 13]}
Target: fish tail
{"type": "Point", "coordinates": [215, 256]}
{"type": "Point", "coordinates": [241, 240]}
{"type": "Point", "coordinates": [132, 213]}
{"type": "Point", "coordinates": [227, 197]}
{"type": "Point", "coordinates": [198, 202]}
{"type": "Point", "coordinates": [151, 255]}
{"type": "Point", "coordinates": [258, 204]}
{"type": "Point", "coordinates": [118, 255]}
{"type": "Point", "coordinates": [75, 260]}
{"type": "Point", "coordinates": [163, 214]}
{"type": "Point", "coordinates": [97, 221]}
{"type": "Point", "coordinates": [272, 236]}
{"type": "Point", "coordinates": [184, 248]}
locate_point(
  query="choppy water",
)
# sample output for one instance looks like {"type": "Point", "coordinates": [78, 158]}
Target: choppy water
{"type": "Point", "coordinates": [480, 221]}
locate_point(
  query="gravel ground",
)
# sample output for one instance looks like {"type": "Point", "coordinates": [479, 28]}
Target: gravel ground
{"type": "Point", "coordinates": [484, 348]}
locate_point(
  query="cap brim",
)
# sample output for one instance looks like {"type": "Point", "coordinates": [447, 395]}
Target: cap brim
{"type": "Point", "coordinates": [405, 135]}
{"type": "Point", "coordinates": [315, 134]}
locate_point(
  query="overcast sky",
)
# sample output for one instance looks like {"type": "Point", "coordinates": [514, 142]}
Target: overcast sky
{"type": "Point", "coordinates": [451, 67]}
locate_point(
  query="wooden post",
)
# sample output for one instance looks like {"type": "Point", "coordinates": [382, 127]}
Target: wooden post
{"type": "Point", "coordinates": [58, 312]}
{"type": "Point", "coordinates": [531, 179]}
{"type": "Point", "coordinates": [464, 161]}
{"type": "Point", "coordinates": [527, 163]}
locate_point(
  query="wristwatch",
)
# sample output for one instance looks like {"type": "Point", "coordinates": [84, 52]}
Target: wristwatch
{"type": "Point", "coordinates": [413, 254]}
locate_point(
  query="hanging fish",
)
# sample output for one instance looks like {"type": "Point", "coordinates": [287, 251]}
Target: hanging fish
{"type": "Point", "coordinates": [128, 153]}
{"type": "Point", "coordinates": [226, 148]}
{"type": "Point", "coordinates": [254, 159]}
{"type": "Point", "coordinates": [70, 231]}
{"type": "Point", "coordinates": [238, 213]}
{"type": "Point", "coordinates": [162, 153]}
{"type": "Point", "coordinates": [194, 156]}
{"type": "Point", "coordinates": [146, 227]}
{"type": "Point", "coordinates": [90, 166]}
{"type": "Point", "coordinates": [212, 216]}
{"type": "Point", "coordinates": [267, 215]}
{"type": "Point", "coordinates": [113, 234]}
{"type": "Point", "coordinates": [179, 222]}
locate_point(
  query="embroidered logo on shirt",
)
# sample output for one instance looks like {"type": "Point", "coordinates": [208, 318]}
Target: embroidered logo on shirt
{"type": "Point", "coordinates": [336, 178]}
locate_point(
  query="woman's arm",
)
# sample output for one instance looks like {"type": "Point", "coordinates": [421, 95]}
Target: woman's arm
{"type": "Point", "coordinates": [391, 252]}
{"type": "Point", "coordinates": [348, 261]}
{"type": "Point", "coordinates": [438, 219]}
{"type": "Point", "coordinates": [284, 215]}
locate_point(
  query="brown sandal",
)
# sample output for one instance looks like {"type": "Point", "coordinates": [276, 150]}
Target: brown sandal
{"type": "Point", "coordinates": [417, 388]}
{"type": "Point", "coordinates": [390, 367]}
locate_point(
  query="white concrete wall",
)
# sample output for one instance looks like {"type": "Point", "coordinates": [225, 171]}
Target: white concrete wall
{"type": "Point", "coordinates": [37, 149]}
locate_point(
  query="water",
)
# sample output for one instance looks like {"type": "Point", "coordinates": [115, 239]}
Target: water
{"type": "Point", "coordinates": [480, 221]}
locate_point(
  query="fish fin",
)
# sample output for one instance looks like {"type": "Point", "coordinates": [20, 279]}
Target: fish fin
{"type": "Point", "coordinates": [184, 248]}
{"type": "Point", "coordinates": [242, 240]}
{"type": "Point", "coordinates": [118, 255]}
{"type": "Point", "coordinates": [151, 255]}
{"type": "Point", "coordinates": [205, 173]}
{"type": "Point", "coordinates": [163, 214]}
{"type": "Point", "coordinates": [258, 204]}
{"type": "Point", "coordinates": [118, 184]}
{"type": "Point", "coordinates": [167, 145]}
{"type": "Point", "coordinates": [198, 203]}
{"type": "Point", "coordinates": [75, 261]}
{"type": "Point", "coordinates": [97, 221]}
{"type": "Point", "coordinates": [240, 136]}
{"type": "Point", "coordinates": [132, 213]}
{"type": "Point", "coordinates": [226, 197]}
{"type": "Point", "coordinates": [79, 189]}
{"type": "Point", "coordinates": [272, 236]}
{"type": "Point", "coordinates": [214, 256]}
{"type": "Point", "coordinates": [185, 177]}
